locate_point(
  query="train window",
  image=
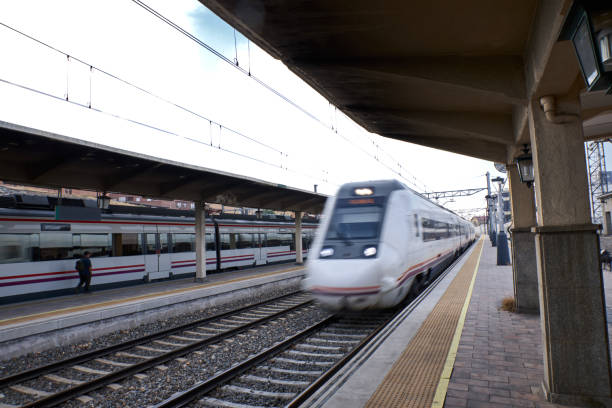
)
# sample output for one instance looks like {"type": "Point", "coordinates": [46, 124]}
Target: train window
{"type": "Point", "coordinates": [355, 223]}
{"type": "Point", "coordinates": [434, 230]}
{"type": "Point", "coordinates": [56, 245]}
{"type": "Point", "coordinates": [273, 239]}
{"type": "Point", "coordinates": [244, 241]}
{"type": "Point", "coordinates": [183, 243]}
{"type": "Point", "coordinates": [126, 245]}
{"type": "Point", "coordinates": [96, 244]}
{"type": "Point", "coordinates": [306, 241]}
{"type": "Point", "coordinates": [210, 242]}
{"type": "Point", "coordinates": [163, 243]}
{"type": "Point", "coordinates": [150, 242]}
{"type": "Point", "coordinates": [16, 248]}
{"type": "Point", "coordinates": [227, 241]}
{"type": "Point", "coordinates": [416, 225]}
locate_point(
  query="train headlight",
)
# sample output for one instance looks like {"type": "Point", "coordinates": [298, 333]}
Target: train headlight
{"type": "Point", "coordinates": [325, 252]}
{"type": "Point", "coordinates": [369, 251]}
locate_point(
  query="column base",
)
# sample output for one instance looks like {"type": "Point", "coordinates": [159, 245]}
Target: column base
{"type": "Point", "coordinates": [573, 315]}
{"type": "Point", "coordinates": [576, 400]}
{"type": "Point", "coordinates": [201, 280]}
{"type": "Point", "coordinates": [525, 271]}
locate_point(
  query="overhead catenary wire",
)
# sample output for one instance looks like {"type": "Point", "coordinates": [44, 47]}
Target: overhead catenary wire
{"type": "Point", "coordinates": [145, 91]}
{"type": "Point", "coordinates": [70, 58]}
{"type": "Point", "coordinates": [262, 83]}
{"type": "Point", "coordinates": [88, 105]}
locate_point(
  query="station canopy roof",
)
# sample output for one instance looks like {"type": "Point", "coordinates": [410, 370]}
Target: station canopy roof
{"type": "Point", "coordinates": [452, 75]}
{"type": "Point", "coordinates": [34, 157]}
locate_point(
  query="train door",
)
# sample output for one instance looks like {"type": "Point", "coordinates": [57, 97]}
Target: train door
{"type": "Point", "coordinates": [163, 259]}
{"type": "Point", "coordinates": [157, 264]}
{"type": "Point", "coordinates": [260, 254]}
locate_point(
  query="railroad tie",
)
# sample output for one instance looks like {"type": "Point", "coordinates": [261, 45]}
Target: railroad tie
{"type": "Point", "coordinates": [155, 350]}
{"type": "Point", "coordinates": [29, 391]}
{"type": "Point", "coordinates": [168, 343]}
{"type": "Point", "coordinates": [182, 338]}
{"type": "Point", "coordinates": [132, 355]}
{"type": "Point", "coordinates": [88, 370]}
{"type": "Point", "coordinates": [111, 362]}
{"type": "Point", "coordinates": [310, 373]}
{"type": "Point", "coordinates": [266, 380]}
{"type": "Point", "coordinates": [250, 391]}
{"type": "Point", "coordinates": [62, 380]}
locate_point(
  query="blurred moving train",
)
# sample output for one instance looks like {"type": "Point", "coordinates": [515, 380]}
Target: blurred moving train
{"type": "Point", "coordinates": [377, 242]}
{"type": "Point", "coordinates": [128, 244]}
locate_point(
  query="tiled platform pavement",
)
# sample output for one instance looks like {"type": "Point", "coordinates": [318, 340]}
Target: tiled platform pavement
{"type": "Point", "coordinates": [499, 360]}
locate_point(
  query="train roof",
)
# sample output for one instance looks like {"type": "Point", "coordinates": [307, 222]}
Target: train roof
{"type": "Point", "coordinates": [378, 188]}
{"type": "Point", "coordinates": [384, 188]}
{"type": "Point", "coordinates": [43, 204]}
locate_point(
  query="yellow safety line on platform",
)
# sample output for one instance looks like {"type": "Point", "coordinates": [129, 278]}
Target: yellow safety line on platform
{"type": "Point", "coordinates": [13, 320]}
{"type": "Point", "coordinates": [413, 379]}
{"type": "Point", "coordinates": [440, 395]}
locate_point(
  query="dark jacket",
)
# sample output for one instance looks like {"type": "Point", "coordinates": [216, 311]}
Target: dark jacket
{"type": "Point", "coordinates": [86, 269]}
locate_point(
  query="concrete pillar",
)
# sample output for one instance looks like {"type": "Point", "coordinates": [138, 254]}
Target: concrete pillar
{"type": "Point", "coordinates": [200, 241]}
{"type": "Point", "coordinates": [299, 257]}
{"type": "Point", "coordinates": [572, 304]}
{"type": "Point", "coordinates": [524, 267]}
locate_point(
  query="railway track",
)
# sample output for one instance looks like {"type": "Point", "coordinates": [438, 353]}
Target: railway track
{"type": "Point", "coordinates": [284, 372]}
{"type": "Point", "coordinates": [68, 379]}
{"type": "Point", "coordinates": [288, 373]}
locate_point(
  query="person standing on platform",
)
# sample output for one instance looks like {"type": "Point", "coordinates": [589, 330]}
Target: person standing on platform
{"type": "Point", "coordinates": [83, 266]}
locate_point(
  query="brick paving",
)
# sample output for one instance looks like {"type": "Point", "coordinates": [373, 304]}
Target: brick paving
{"type": "Point", "coordinates": [499, 359]}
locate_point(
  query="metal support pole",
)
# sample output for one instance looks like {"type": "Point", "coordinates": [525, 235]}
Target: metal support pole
{"type": "Point", "coordinates": [503, 253]}
{"type": "Point", "coordinates": [491, 212]}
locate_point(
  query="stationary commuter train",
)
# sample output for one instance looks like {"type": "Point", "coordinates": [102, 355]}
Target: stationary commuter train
{"type": "Point", "coordinates": [379, 241]}
{"type": "Point", "coordinates": [128, 244]}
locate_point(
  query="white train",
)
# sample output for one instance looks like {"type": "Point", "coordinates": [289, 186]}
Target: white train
{"type": "Point", "coordinates": [128, 245]}
{"type": "Point", "coordinates": [377, 242]}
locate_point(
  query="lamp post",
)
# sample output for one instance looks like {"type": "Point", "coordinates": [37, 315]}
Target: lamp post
{"type": "Point", "coordinates": [503, 253]}
{"type": "Point", "coordinates": [490, 212]}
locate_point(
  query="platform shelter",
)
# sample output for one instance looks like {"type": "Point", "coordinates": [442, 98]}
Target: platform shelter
{"type": "Point", "coordinates": [485, 79]}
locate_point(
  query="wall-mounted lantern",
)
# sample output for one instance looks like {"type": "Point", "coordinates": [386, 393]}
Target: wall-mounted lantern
{"type": "Point", "coordinates": [524, 163]}
{"type": "Point", "coordinates": [589, 27]}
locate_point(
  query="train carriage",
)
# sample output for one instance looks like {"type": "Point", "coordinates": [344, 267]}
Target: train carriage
{"type": "Point", "coordinates": [377, 242]}
{"type": "Point", "coordinates": [38, 252]}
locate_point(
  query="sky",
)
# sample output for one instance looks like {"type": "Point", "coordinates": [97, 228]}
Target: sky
{"type": "Point", "coordinates": [136, 83]}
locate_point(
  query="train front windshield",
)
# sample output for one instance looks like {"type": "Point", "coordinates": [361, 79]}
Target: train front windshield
{"type": "Point", "coordinates": [356, 219]}
{"type": "Point", "coordinates": [355, 223]}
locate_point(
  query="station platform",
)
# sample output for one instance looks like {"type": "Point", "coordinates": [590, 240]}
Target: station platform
{"type": "Point", "coordinates": [41, 324]}
{"type": "Point", "coordinates": [457, 349]}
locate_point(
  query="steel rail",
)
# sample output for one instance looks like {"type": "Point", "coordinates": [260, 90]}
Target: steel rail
{"type": "Point", "coordinates": [39, 371]}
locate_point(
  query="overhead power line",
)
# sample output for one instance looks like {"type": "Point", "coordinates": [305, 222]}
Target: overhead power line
{"type": "Point", "coordinates": [436, 195]}
{"type": "Point", "coordinates": [248, 72]}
